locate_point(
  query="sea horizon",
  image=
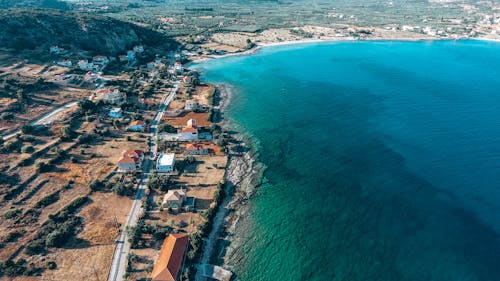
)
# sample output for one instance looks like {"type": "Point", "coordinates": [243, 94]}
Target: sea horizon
{"type": "Point", "coordinates": [249, 110]}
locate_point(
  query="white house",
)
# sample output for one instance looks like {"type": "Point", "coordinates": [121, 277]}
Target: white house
{"type": "Point", "coordinates": [55, 50]}
{"type": "Point", "coordinates": [138, 49]}
{"type": "Point", "coordinates": [85, 65]}
{"type": "Point", "coordinates": [194, 105]}
{"type": "Point", "coordinates": [191, 105]}
{"type": "Point", "coordinates": [165, 163]}
{"type": "Point", "coordinates": [115, 112]}
{"type": "Point", "coordinates": [150, 65]}
{"type": "Point", "coordinates": [190, 132]}
{"type": "Point", "coordinates": [178, 69]}
{"type": "Point", "coordinates": [66, 63]}
{"type": "Point", "coordinates": [108, 95]}
{"type": "Point", "coordinates": [136, 126]}
{"type": "Point", "coordinates": [101, 60]}
{"type": "Point", "coordinates": [123, 58]}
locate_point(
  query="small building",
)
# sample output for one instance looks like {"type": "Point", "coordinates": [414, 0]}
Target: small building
{"type": "Point", "coordinates": [131, 160]}
{"type": "Point", "coordinates": [66, 63]}
{"type": "Point", "coordinates": [174, 199]}
{"type": "Point", "coordinates": [165, 163]}
{"type": "Point", "coordinates": [196, 149]}
{"type": "Point", "coordinates": [56, 50]}
{"type": "Point", "coordinates": [126, 164]}
{"type": "Point", "coordinates": [115, 112]}
{"type": "Point", "coordinates": [136, 126]}
{"type": "Point", "coordinates": [101, 60]}
{"type": "Point", "coordinates": [178, 69]}
{"type": "Point", "coordinates": [138, 49]}
{"type": "Point", "coordinates": [131, 55]}
{"type": "Point", "coordinates": [151, 65]}
{"type": "Point", "coordinates": [123, 58]}
{"type": "Point", "coordinates": [190, 132]}
{"type": "Point", "coordinates": [193, 105]}
{"type": "Point", "coordinates": [109, 95]}
{"type": "Point", "coordinates": [85, 65]}
{"type": "Point", "coordinates": [169, 262]}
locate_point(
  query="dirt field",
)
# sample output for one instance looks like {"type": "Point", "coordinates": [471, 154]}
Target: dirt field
{"type": "Point", "coordinates": [97, 245]}
{"type": "Point", "coordinates": [202, 93]}
{"type": "Point", "coordinates": [207, 170]}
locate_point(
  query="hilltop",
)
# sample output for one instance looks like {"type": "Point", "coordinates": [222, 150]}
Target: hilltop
{"type": "Point", "coordinates": [25, 29]}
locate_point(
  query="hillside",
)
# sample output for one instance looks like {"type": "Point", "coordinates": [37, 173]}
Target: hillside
{"type": "Point", "coordinates": [33, 28]}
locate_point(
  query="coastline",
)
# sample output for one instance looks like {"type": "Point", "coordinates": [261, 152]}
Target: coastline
{"type": "Point", "coordinates": [260, 45]}
{"type": "Point", "coordinates": [242, 177]}
{"type": "Point", "coordinates": [244, 172]}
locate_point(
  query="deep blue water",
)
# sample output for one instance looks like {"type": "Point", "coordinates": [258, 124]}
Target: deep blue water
{"type": "Point", "coordinates": [383, 160]}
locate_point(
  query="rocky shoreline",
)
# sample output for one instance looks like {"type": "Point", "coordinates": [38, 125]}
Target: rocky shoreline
{"type": "Point", "coordinates": [243, 175]}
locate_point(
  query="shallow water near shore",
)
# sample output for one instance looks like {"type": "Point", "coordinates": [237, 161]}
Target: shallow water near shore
{"type": "Point", "coordinates": [383, 160]}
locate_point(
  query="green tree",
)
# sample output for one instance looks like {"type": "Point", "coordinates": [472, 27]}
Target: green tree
{"type": "Point", "coordinates": [27, 129]}
{"type": "Point", "coordinates": [66, 132]}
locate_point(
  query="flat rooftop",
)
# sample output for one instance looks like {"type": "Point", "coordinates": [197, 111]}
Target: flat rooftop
{"type": "Point", "coordinates": [166, 159]}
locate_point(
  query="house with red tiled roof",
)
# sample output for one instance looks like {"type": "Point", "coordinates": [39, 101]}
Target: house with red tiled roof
{"type": "Point", "coordinates": [168, 265]}
{"type": "Point", "coordinates": [190, 132]}
{"type": "Point", "coordinates": [196, 149]}
{"type": "Point", "coordinates": [136, 126]}
{"type": "Point", "coordinates": [130, 161]}
{"type": "Point", "coordinates": [109, 95]}
{"type": "Point", "coordinates": [126, 164]}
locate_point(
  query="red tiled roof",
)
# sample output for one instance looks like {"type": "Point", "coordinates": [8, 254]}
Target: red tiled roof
{"type": "Point", "coordinates": [126, 160]}
{"type": "Point", "coordinates": [137, 123]}
{"type": "Point", "coordinates": [189, 130]}
{"type": "Point", "coordinates": [169, 262]}
{"type": "Point", "coordinates": [193, 146]}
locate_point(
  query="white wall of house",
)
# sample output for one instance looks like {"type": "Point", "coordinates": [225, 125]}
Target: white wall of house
{"type": "Point", "coordinates": [126, 166]}
{"type": "Point", "coordinates": [165, 163]}
{"type": "Point", "coordinates": [188, 136]}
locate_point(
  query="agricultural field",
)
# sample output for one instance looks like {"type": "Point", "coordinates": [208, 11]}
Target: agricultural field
{"type": "Point", "coordinates": [192, 18]}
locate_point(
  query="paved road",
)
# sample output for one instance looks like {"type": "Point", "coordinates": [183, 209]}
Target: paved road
{"type": "Point", "coordinates": [119, 264]}
{"type": "Point", "coordinates": [44, 119]}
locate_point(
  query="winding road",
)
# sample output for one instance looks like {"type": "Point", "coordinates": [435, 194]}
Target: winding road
{"type": "Point", "coordinates": [44, 119]}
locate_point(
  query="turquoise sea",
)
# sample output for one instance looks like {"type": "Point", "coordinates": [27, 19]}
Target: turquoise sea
{"type": "Point", "coordinates": [382, 160]}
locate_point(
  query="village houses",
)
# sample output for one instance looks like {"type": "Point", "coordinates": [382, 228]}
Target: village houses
{"type": "Point", "coordinates": [55, 50]}
{"type": "Point", "coordinates": [165, 163]}
{"type": "Point", "coordinates": [138, 49]}
{"type": "Point", "coordinates": [136, 126]}
{"type": "Point", "coordinates": [174, 199]}
{"type": "Point", "coordinates": [171, 257]}
{"type": "Point", "coordinates": [101, 60]}
{"type": "Point", "coordinates": [109, 95]}
{"type": "Point", "coordinates": [66, 63]}
{"type": "Point", "coordinates": [196, 149]}
{"type": "Point", "coordinates": [193, 105]}
{"type": "Point", "coordinates": [85, 65]}
{"type": "Point", "coordinates": [130, 161]}
{"type": "Point", "coordinates": [190, 132]}
{"type": "Point", "coordinates": [178, 68]}
{"type": "Point", "coordinates": [115, 112]}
